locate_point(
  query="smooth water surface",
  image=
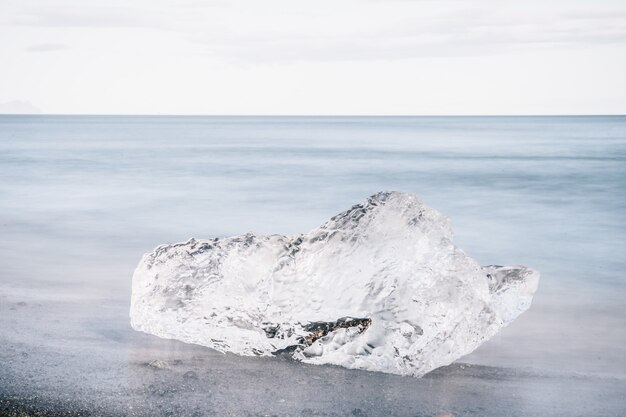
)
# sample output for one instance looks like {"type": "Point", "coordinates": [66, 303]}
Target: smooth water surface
{"type": "Point", "coordinates": [83, 197]}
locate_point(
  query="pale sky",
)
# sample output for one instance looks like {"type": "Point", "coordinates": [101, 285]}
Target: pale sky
{"type": "Point", "coordinates": [323, 57]}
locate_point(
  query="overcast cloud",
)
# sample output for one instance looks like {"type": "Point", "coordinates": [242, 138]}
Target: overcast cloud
{"type": "Point", "coordinates": [285, 57]}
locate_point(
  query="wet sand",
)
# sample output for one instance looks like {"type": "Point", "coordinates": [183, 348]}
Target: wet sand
{"type": "Point", "coordinates": [80, 357]}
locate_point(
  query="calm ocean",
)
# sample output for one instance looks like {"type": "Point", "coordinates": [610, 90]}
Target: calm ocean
{"type": "Point", "coordinates": [83, 197]}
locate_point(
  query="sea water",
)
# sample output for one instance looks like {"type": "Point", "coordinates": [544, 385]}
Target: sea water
{"type": "Point", "coordinates": [83, 197]}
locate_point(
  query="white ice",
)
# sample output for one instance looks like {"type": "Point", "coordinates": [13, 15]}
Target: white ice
{"type": "Point", "coordinates": [379, 287]}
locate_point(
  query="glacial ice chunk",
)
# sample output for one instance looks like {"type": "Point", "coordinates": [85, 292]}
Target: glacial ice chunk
{"type": "Point", "coordinates": [379, 287]}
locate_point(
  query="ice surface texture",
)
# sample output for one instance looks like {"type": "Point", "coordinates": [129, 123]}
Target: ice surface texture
{"type": "Point", "coordinates": [379, 287]}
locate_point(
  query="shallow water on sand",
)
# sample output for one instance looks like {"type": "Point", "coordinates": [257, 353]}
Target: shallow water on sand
{"type": "Point", "coordinates": [82, 198]}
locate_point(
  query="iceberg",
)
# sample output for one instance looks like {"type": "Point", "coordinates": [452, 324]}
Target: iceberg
{"type": "Point", "coordinates": [379, 287]}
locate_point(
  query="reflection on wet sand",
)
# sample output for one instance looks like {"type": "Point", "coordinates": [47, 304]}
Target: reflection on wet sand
{"type": "Point", "coordinates": [59, 361]}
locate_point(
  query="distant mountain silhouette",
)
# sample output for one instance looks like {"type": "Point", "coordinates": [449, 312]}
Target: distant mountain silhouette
{"type": "Point", "coordinates": [19, 107]}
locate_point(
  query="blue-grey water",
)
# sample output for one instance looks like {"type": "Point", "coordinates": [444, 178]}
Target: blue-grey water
{"type": "Point", "coordinates": [83, 197]}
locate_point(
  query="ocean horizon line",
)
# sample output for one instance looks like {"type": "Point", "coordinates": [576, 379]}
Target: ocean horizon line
{"type": "Point", "coordinates": [304, 115]}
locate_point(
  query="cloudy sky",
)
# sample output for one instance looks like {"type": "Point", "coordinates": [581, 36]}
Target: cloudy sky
{"type": "Point", "coordinates": [313, 57]}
